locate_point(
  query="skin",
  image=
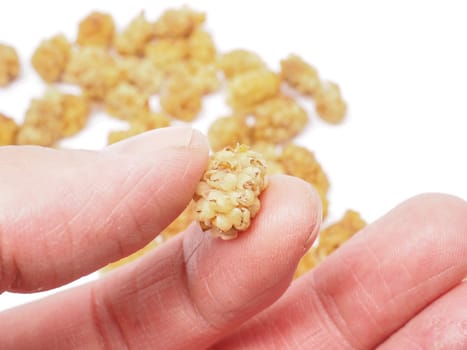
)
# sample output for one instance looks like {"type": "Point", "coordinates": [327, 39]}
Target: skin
{"type": "Point", "coordinates": [397, 284]}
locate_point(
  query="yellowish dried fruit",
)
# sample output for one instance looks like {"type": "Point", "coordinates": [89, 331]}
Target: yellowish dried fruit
{"type": "Point", "coordinates": [203, 76]}
{"type": "Point", "coordinates": [52, 117]}
{"type": "Point", "coordinates": [300, 162]}
{"type": "Point", "coordinates": [9, 64]}
{"type": "Point", "coordinates": [176, 23]}
{"type": "Point", "coordinates": [278, 119]}
{"type": "Point", "coordinates": [133, 39]}
{"type": "Point", "coordinates": [96, 29]}
{"type": "Point", "coordinates": [228, 132]}
{"type": "Point", "coordinates": [226, 199]}
{"type": "Point", "coordinates": [8, 130]}
{"type": "Point", "coordinates": [330, 239]}
{"type": "Point", "coordinates": [94, 70]}
{"type": "Point", "coordinates": [329, 103]}
{"type": "Point", "coordinates": [239, 61]}
{"type": "Point", "coordinates": [141, 73]}
{"type": "Point", "coordinates": [300, 75]}
{"type": "Point", "coordinates": [166, 52]}
{"type": "Point", "coordinates": [201, 47]}
{"type": "Point", "coordinates": [272, 155]}
{"type": "Point", "coordinates": [181, 98]}
{"type": "Point", "coordinates": [248, 89]}
{"type": "Point", "coordinates": [144, 122]}
{"type": "Point", "coordinates": [51, 57]}
{"type": "Point", "coordinates": [43, 122]}
{"type": "Point", "coordinates": [75, 115]}
{"type": "Point", "coordinates": [126, 102]}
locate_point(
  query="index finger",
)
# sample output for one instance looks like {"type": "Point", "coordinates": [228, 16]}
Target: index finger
{"type": "Point", "coordinates": [65, 214]}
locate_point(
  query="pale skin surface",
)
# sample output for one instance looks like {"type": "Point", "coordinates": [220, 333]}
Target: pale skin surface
{"type": "Point", "coordinates": [395, 285]}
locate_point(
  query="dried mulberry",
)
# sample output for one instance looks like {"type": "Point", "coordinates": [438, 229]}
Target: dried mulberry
{"type": "Point", "coordinates": [239, 61]}
{"type": "Point", "coordinates": [94, 70]}
{"type": "Point", "coordinates": [51, 57]}
{"type": "Point", "coordinates": [9, 64]}
{"type": "Point", "coordinates": [52, 117]}
{"type": "Point", "coordinates": [300, 75]}
{"type": "Point", "coordinates": [272, 155]}
{"type": "Point", "coordinates": [226, 198]}
{"type": "Point", "coordinates": [278, 119]}
{"type": "Point", "coordinates": [43, 122]}
{"type": "Point", "coordinates": [181, 98]}
{"type": "Point", "coordinates": [201, 47]}
{"type": "Point", "coordinates": [176, 23]}
{"type": "Point", "coordinates": [75, 115]}
{"type": "Point", "coordinates": [8, 130]}
{"type": "Point", "coordinates": [300, 162]}
{"type": "Point", "coordinates": [141, 73]}
{"type": "Point", "coordinates": [248, 89]}
{"type": "Point", "coordinates": [97, 29]}
{"type": "Point", "coordinates": [329, 103]}
{"type": "Point", "coordinates": [133, 39]}
{"type": "Point", "coordinates": [125, 102]}
{"type": "Point", "coordinates": [228, 131]}
{"type": "Point", "coordinates": [166, 52]}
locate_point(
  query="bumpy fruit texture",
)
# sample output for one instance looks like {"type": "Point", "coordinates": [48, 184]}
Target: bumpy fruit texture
{"type": "Point", "coordinates": [203, 77]}
{"type": "Point", "coordinates": [52, 117]}
{"type": "Point", "coordinates": [300, 75]}
{"type": "Point", "coordinates": [164, 53]}
{"type": "Point", "coordinates": [300, 162]}
{"type": "Point", "coordinates": [329, 103]}
{"type": "Point", "coordinates": [178, 23]}
{"type": "Point", "coordinates": [141, 73]}
{"type": "Point", "coordinates": [8, 130]}
{"type": "Point", "coordinates": [330, 239]}
{"type": "Point", "coordinates": [226, 198]}
{"type": "Point", "coordinates": [96, 29]}
{"type": "Point", "coordinates": [133, 39]}
{"type": "Point", "coordinates": [125, 102]}
{"type": "Point", "coordinates": [9, 64]}
{"type": "Point", "coordinates": [239, 61]}
{"type": "Point", "coordinates": [272, 155]}
{"type": "Point", "coordinates": [181, 98]}
{"type": "Point", "coordinates": [94, 70]}
{"type": "Point", "coordinates": [51, 57]}
{"type": "Point", "coordinates": [248, 89]}
{"type": "Point", "coordinates": [75, 114]}
{"type": "Point", "coordinates": [228, 131]}
{"type": "Point", "coordinates": [278, 119]}
{"type": "Point", "coordinates": [201, 47]}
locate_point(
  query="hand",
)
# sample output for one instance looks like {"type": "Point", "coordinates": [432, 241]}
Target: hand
{"type": "Point", "coordinates": [67, 213]}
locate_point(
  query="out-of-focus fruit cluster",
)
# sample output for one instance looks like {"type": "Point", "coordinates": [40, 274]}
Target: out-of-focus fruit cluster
{"type": "Point", "coordinates": [175, 59]}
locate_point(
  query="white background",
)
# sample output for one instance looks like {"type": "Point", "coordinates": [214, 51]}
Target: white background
{"type": "Point", "coordinates": [402, 67]}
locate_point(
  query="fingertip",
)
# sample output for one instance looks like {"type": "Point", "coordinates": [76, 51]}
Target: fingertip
{"type": "Point", "coordinates": [293, 206]}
